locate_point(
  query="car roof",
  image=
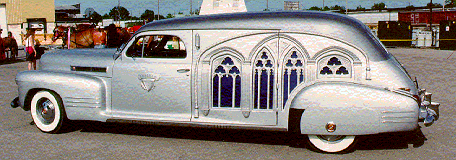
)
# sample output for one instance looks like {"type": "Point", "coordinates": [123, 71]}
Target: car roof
{"type": "Point", "coordinates": [334, 25]}
{"type": "Point", "coordinates": [320, 22]}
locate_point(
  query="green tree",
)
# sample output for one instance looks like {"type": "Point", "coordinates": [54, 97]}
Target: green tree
{"type": "Point", "coordinates": [135, 18]}
{"type": "Point", "coordinates": [338, 9]}
{"type": "Point", "coordinates": [169, 15]}
{"type": "Point", "coordinates": [161, 17]}
{"type": "Point", "coordinates": [95, 18]}
{"type": "Point", "coordinates": [379, 6]}
{"type": "Point", "coordinates": [119, 13]}
{"type": "Point", "coordinates": [434, 5]}
{"type": "Point", "coordinates": [450, 3]}
{"type": "Point", "coordinates": [106, 16]}
{"type": "Point", "coordinates": [314, 8]}
{"type": "Point", "coordinates": [359, 8]}
{"type": "Point", "coordinates": [148, 15]}
{"type": "Point", "coordinates": [410, 7]}
{"type": "Point", "coordinates": [326, 8]}
{"type": "Point", "coordinates": [196, 12]}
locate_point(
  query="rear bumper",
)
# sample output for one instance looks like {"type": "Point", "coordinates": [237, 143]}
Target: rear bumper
{"type": "Point", "coordinates": [429, 111]}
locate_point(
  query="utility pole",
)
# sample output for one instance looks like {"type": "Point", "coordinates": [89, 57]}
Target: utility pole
{"type": "Point", "coordinates": [346, 7]}
{"type": "Point", "coordinates": [191, 12]}
{"type": "Point", "coordinates": [430, 25]}
{"type": "Point", "coordinates": [158, 10]}
{"type": "Point", "coordinates": [118, 11]}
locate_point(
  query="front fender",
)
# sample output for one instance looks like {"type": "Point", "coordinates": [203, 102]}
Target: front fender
{"type": "Point", "coordinates": [81, 94]}
{"type": "Point", "coordinates": [355, 109]}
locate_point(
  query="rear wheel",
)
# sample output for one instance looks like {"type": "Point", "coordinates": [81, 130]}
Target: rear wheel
{"type": "Point", "coordinates": [47, 111]}
{"type": "Point", "coordinates": [332, 143]}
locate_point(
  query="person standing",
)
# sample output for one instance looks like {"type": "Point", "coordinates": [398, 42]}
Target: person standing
{"type": "Point", "coordinates": [11, 45]}
{"type": "Point", "coordinates": [2, 47]}
{"type": "Point", "coordinates": [30, 48]}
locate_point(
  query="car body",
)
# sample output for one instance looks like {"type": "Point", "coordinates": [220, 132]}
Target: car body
{"type": "Point", "coordinates": [320, 74]}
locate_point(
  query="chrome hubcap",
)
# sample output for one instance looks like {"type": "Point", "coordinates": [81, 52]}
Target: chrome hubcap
{"type": "Point", "coordinates": [45, 111]}
{"type": "Point", "coordinates": [330, 138]}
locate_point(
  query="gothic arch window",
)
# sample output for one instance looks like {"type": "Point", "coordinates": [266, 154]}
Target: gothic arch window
{"type": "Point", "coordinates": [226, 83]}
{"type": "Point", "coordinates": [293, 72]}
{"type": "Point", "coordinates": [263, 80]}
{"type": "Point", "coordinates": [334, 66]}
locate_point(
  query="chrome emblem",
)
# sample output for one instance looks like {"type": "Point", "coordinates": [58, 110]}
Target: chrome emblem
{"type": "Point", "coordinates": [330, 127]}
{"type": "Point", "coordinates": [148, 81]}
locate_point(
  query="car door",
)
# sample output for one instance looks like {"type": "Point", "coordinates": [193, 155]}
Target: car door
{"type": "Point", "coordinates": [151, 79]}
{"type": "Point", "coordinates": [237, 77]}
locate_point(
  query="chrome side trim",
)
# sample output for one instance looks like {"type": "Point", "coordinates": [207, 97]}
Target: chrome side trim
{"type": "Point", "coordinates": [398, 117]}
{"type": "Point", "coordinates": [395, 122]}
{"type": "Point", "coordinates": [84, 102]}
{"type": "Point", "coordinates": [83, 106]}
{"type": "Point", "coordinates": [397, 112]}
{"type": "Point", "coordinates": [199, 125]}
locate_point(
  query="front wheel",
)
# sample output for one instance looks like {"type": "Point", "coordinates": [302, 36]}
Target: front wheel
{"type": "Point", "coordinates": [332, 143]}
{"type": "Point", "coordinates": [47, 111]}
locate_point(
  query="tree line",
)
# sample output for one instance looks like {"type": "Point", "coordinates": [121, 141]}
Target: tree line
{"type": "Point", "coordinates": [121, 13]}
{"type": "Point", "coordinates": [380, 6]}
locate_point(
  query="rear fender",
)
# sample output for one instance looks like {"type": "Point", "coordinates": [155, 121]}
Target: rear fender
{"type": "Point", "coordinates": [355, 109]}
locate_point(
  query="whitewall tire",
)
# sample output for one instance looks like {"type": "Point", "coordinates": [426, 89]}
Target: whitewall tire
{"type": "Point", "coordinates": [47, 111]}
{"type": "Point", "coordinates": [332, 144]}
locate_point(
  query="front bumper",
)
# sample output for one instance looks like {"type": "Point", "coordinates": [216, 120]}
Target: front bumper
{"type": "Point", "coordinates": [429, 111]}
{"type": "Point", "coordinates": [15, 102]}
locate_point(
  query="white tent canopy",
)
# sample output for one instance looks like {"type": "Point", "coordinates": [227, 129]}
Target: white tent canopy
{"type": "Point", "coordinates": [222, 6]}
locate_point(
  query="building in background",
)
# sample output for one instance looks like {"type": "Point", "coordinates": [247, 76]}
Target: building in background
{"type": "Point", "coordinates": [65, 12]}
{"type": "Point", "coordinates": [70, 15]}
{"type": "Point", "coordinates": [18, 15]}
{"type": "Point", "coordinates": [418, 20]}
{"type": "Point", "coordinates": [430, 36]}
{"type": "Point", "coordinates": [291, 5]}
{"type": "Point", "coordinates": [372, 17]}
{"type": "Point", "coordinates": [222, 6]}
{"type": "Point", "coordinates": [422, 17]}
{"type": "Point", "coordinates": [3, 19]}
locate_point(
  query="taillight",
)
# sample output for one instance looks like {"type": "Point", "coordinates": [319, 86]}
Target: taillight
{"type": "Point", "coordinates": [418, 99]}
{"type": "Point", "coordinates": [404, 89]}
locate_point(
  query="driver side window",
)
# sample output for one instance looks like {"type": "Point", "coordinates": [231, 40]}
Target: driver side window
{"type": "Point", "coordinates": [157, 46]}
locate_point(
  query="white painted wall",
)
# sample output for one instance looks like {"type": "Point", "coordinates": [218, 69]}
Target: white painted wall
{"type": "Point", "coordinates": [3, 20]}
{"type": "Point", "coordinates": [374, 17]}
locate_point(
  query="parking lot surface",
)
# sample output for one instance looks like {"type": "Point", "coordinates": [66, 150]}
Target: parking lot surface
{"type": "Point", "coordinates": [434, 69]}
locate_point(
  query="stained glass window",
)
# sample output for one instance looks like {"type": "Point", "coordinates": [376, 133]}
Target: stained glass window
{"type": "Point", "coordinates": [293, 73]}
{"type": "Point", "coordinates": [334, 67]}
{"type": "Point", "coordinates": [263, 81]}
{"type": "Point", "coordinates": [226, 84]}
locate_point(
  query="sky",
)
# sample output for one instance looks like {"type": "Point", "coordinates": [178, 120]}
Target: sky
{"type": "Point", "coordinates": [137, 7]}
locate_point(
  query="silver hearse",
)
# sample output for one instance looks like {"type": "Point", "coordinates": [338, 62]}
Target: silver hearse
{"type": "Point", "coordinates": [323, 75]}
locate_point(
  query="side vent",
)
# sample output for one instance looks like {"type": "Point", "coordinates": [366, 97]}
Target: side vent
{"type": "Point", "coordinates": [88, 69]}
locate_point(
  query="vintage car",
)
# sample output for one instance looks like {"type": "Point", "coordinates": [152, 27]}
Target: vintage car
{"type": "Point", "coordinates": [319, 74]}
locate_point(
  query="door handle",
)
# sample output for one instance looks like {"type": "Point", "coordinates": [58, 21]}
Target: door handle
{"type": "Point", "coordinates": [183, 70]}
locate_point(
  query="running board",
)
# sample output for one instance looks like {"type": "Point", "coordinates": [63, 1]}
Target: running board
{"type": "Point", "coordinates": [199, 125]}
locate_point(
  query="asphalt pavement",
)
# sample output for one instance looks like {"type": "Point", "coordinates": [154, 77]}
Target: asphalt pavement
{"type": "Point", "coordinates": [434, 69]}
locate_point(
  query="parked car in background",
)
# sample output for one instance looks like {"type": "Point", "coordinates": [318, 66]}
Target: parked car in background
{"type": "Point", "coordinates": [324, 75]}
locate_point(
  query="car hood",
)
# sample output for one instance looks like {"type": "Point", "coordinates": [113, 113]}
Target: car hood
{"type": "Point", "coordinates": [84, 61]}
